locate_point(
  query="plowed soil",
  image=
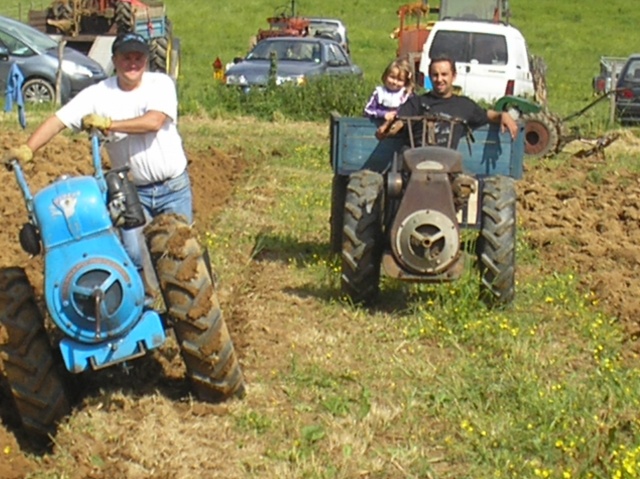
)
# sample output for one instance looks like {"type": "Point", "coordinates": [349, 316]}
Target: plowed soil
{"type": "Point", "coordinates": [589, 227]}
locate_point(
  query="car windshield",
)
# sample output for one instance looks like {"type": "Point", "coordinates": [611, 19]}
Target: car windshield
{"type": "Point", "coordinates": [302, 51]}
{"type": "Point", "coordinates": [24, 37]}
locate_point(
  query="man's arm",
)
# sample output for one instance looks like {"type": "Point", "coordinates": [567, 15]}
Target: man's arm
{"type": "Point", "coordinates": [149, 122]}
{"type": "Point", "coordinates": [505, 120]}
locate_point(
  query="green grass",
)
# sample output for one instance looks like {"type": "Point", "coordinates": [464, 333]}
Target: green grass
{"type": "Point", "coordinates": [570, 38]}
{"type": "Point", "coordinates": [438, 385]}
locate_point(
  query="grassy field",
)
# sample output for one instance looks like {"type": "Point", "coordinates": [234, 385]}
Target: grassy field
{"type": "Point", "coordinates": [570, 36]}
{"type": "Point", "coordinates": [431, 383]}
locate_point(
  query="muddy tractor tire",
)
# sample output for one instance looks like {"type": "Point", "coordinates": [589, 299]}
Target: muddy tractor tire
{"type": "Point", "coordinates": [496, 245]}
{"type": "Point", "coordinates": [33, 369]}
{"type": "Point", "coordinates": [193, 309]}
{"type": "Point", "coordinates": [124, 17]}
{"type": "Point", "coordinates": [362, 238]}
{"type": "Point", "coordinates": [541, 135]}
{"type": "Point", "coordinates": [336, 222]}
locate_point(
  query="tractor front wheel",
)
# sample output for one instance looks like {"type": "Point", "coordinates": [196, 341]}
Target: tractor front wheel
{"type": "Point", "coordinates": [362, 240]}
{"type": "Point", "coordinates": [193, 308]}
{"type": "Point", "coordinates": [496, 245]}
{"type": "Point", "coordinates": [32, 368]}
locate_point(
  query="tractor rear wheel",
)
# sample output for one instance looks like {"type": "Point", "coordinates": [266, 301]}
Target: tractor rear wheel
{"type": "Point", "coordinates": [541, 135]}
{"type": "Point", "coordinates": [33, 370]}
{"type": "Point", "coordinates": [193, 308]}
{"type": "Point", "coordinates": [496, 245]}
{"type": "Point", "coordinates": [159, 54]}
{"type": "Point", "coordinates": [336, 221]}
{"type": "Point", "coordinates": [362, 240]}
{"type": "Point", "coordinates": [124, 17]}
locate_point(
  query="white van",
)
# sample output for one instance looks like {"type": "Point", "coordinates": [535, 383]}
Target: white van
{"type": "Point", "coordinates": [491, 58]}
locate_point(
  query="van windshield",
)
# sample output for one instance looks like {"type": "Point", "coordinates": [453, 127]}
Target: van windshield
{"type": "Point", "coordinates": [465, 47]}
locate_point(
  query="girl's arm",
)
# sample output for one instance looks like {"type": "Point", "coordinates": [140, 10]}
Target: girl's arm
{"type": "Point", "coordinates": [373, 108]}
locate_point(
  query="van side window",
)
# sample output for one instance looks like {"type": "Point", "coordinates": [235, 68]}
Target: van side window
{"type": "Point", "coordinates": [489, 49]}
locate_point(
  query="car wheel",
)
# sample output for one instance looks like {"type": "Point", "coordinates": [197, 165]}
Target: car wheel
{"type": "Point", "coordinates": [38, 90]}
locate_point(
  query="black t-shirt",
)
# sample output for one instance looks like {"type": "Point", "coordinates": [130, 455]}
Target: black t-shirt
{"type": "Point", "coordinates": [460, 107]}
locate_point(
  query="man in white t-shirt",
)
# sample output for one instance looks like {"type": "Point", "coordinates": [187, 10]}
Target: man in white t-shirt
{"type": "Point", "coordinates": [138, 111]}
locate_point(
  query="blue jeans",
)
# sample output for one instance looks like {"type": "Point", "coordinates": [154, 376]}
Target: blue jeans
{"type": "Point", "coordinates": [171, 196]}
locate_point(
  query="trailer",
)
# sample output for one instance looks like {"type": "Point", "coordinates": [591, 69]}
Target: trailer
{"type": "Point", "coordinates": [610, 68]}
{"type": "Point", "coordinates": [90, 26]}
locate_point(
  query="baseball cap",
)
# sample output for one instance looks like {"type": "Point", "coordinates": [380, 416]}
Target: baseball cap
{"type": "Point", "coordinates": [130, 42]}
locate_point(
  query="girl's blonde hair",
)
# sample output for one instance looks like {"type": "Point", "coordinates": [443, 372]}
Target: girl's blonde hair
{"type": "Point", "coordinates": [403, 66]}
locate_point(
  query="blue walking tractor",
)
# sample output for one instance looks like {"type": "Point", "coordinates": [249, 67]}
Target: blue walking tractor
{"type": "Point", "coordinates": [95, 298]}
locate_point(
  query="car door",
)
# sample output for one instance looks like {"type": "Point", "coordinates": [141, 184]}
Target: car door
{"type": "Point", "coordinates": [337, 61]}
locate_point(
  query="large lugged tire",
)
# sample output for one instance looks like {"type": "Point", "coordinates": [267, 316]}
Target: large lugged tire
{"type": "Point", "coordinates": [496, 246]}
{"type": "Point", "coordinates": [124, 17]}
{"type": "Point", "coordinates": [539, 76]}
{"type": "Point", "coordinates": [159, 54]}
{"type": "Point", "coordinates": [192, 306]}
{"type": "Point", "coordinates": [32, 369]}
{"type": "Point", "coordinates": [362, 240]}
{"type": "Point", "coordinates": [541, 135]}
{"type": "Point", "coordinates": [336, 221]}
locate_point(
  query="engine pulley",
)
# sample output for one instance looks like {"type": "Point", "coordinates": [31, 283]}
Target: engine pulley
{"type": "Point", "coordinates": [427, 242]}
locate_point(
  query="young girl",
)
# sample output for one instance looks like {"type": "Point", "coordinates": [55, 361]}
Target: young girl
{"type": "Point", "coordinates": [397, 86]}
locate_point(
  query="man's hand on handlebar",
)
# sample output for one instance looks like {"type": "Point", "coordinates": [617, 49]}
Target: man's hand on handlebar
{"type": "Point", "coordinates": [21, 153]}
{"type": "Point", "coordinates": [98, 122]}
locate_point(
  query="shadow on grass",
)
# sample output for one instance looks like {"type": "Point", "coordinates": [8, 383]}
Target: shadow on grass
{"type": "Point", "coordinates": [287, 249]}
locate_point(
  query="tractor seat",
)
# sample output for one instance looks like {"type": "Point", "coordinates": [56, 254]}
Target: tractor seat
{"type": "Point", "coordinates": [433, 158]}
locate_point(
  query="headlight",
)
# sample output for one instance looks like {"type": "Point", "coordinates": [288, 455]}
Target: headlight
{"type": "Point", "coordinates": [295, 79]}
{"type": "Point", "coordinates": [236, 80]}
{"type": "Point", "coordinates": [73, 69]}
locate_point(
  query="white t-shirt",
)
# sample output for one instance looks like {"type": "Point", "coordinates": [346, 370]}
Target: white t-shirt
{"type": "Point", "coordinates": [153, 156]}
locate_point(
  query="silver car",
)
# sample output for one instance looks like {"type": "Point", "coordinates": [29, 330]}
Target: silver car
{"type": "Point", "coordinates": [297, 58]}
{"type": "Point", "coordinates": [37, 56]}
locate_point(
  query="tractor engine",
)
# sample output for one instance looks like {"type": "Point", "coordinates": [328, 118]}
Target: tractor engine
{"type": "Point", "coordinates": [93, 290]}
{"type": "Point", "coordinates": [424, 236]}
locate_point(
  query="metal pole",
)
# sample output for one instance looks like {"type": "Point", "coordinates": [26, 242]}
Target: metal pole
{"type": "Point", "coordinates": [612, 102]}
